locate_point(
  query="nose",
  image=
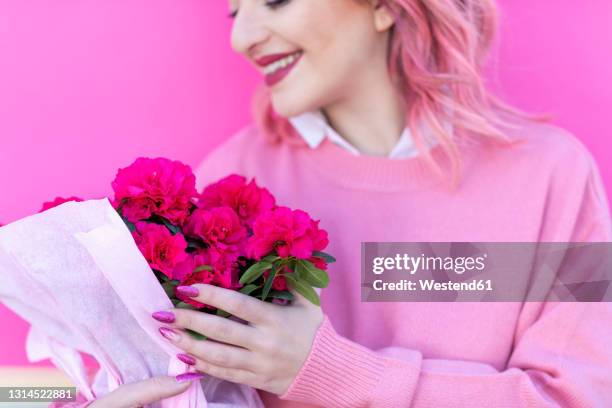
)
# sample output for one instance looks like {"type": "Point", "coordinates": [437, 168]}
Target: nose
{"type": "Point", "coordinates": [248, 31]}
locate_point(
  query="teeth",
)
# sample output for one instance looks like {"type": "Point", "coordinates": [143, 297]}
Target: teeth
{"type": "Point", "coordinates": [282, 63]}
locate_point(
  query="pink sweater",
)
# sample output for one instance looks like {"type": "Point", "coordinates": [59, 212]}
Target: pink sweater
{"type": "Point", "coordinates": [441, 354]}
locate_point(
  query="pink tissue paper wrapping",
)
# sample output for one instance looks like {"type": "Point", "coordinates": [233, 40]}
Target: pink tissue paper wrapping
{"type": "Point", "coordinates": [76, 275]}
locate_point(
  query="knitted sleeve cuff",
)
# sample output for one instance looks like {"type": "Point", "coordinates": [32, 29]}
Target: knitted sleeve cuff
{"type": "Point", "coordinates": [341, 373]}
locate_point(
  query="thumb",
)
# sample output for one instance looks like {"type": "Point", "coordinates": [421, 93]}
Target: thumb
{"type": "Point", "coordinates": [142, 393]}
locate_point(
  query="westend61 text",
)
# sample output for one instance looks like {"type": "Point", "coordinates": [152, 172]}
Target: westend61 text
{"type": "Point", "coordinates": [479, 285]}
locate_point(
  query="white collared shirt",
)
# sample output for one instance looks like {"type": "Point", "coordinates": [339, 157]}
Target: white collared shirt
{"type": "Point", "coordinates": [314, 128]}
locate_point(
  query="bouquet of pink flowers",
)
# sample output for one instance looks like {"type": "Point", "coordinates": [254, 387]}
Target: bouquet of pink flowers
{"type": "Point", "coordinates": [232, 234]}
{"type": "Point", "coordinates": [99, 268]}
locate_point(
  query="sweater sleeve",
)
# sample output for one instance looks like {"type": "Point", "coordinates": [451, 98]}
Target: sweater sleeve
{"type": "Point", "coordinates": [561, 355]}
{"type": "Point", "coordinates": [563, 360]}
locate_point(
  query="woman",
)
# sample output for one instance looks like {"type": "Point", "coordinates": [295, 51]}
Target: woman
{"type": "Point", "coordinates": [375, 119]}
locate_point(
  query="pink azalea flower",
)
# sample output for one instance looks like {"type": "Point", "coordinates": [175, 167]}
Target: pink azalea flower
{"type": "Point", "coordinates": [318, 262]}
{"type": "Point", "coordinates": [184, 272]}
{"type": "Point", "coordinates": [246, 199]}
{"type": "Point", "coordinates": [162, 250]}
{"type": "Point", "coordinates": [58, 201]}
{"type": "Point", "coordinates": [219, 227]}
{"type": "Point", "coordinates": [280, 282]}
{"type": "Point", "coordinates": [288, 232]}
{"type": "Point", "coordinates": [155, 187]}
{"type": "Point", "coordinates": [224, 272]}
{"type": "Point", "coordinates": [225, 265]}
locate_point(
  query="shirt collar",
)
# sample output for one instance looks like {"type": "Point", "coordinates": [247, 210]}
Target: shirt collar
{"type": "Point", "coordinates": [314, 128]}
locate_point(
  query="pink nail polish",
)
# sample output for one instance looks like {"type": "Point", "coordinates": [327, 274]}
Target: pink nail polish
{"type": "Point", "coordinates": [189, 291]}
{"type": "Point", "coordinates": [189, 377]}
{"type": "Point", "coordinates": [186, 358]}
{"type": "Point", "coordinates": [164, 317]}
{"type": "Point", "coordinates": [169, 333]}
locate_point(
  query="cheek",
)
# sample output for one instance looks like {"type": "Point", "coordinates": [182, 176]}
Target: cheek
{"type": "Point", "coordinates": [326, 29]}
{"type": "Point", "coordinates": [339, 39]}
{"type": "Point", "coordinates": [335, 60]}
{"type": "Point", "coordinates": [312, 32]}
{"type": "Point", "coordinates": [336, 39]}
{"type": "Point", "coordinates": [307, 28]}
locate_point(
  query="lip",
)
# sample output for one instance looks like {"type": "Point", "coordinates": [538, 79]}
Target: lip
{"type": "Point", "coordinates": [277, 76]}
{"type": "Point", "coordinates": [270, 58]}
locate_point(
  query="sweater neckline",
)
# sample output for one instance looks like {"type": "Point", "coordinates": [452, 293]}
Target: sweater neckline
{"type": "Point", "coordinates": [381, 173]}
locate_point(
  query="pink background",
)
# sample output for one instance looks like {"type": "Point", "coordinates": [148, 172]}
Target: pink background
{"type": "Point", "coordinates": [87, 86]}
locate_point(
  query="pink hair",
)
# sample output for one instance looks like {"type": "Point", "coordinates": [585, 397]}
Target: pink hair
{"type": "Point", "coordinates": [436, 55]}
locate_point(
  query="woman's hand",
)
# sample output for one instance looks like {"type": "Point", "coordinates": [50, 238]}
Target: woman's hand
{"type": "Point", "coordinates": [142, 393]}
{"type": "Point", "coordinates": [266, 354]}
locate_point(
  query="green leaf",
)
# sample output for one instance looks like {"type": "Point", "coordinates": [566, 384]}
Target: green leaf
{"type": "Point", "coordinates": [268, 284]}
{"type": "Point", "coordinates": [223, 313]}
{"type": "Point", "coordinates": [299, 272]}
{"type": "Point", "coordinates": [311, 274]}
{"type": "Point", "coordinates": [120, 207]}
{"type": "Point", "coordinates": [303, 289]}
{"type": "Point", "coordinates": [173, 228]}
{"type": "Point", "coordinates": [327, 257]}
{"type": "Point", "coordinates": [183, 305]}
{"type": "Point", "coordinates": [203, 268]}
{"type": "Point", "coordinates": [281, 294]}
{"type": "Point", "coordinates": [160, 276]}
{"type": "Point", "coordinates": [296, 271]}
{"type": "Point", "coordinates": [254, 272]}
{"type": "Point", "coordinates": [248, 289]}
{"type": "Point", "coordinates": [169, 288]}
{"type": "Point", "coordinates": [130, 225]}
{"type": "Point", "coordinates": [175, 302]}
{"type": "Point", "coordinates": [195, 244]}
{"type": "Point", "coordinates": [196, 335]}
{"type": "Point", "coordinates": [271, 258]}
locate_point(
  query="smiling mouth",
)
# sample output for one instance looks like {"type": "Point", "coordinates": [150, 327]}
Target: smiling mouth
{"type": "Point", "coordinates": [279, 69]}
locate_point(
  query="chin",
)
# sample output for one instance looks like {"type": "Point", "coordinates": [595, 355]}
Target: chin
{"type": "Point", "coordinates": [288, 104]}
{"type": "Point", "coordinates": [288, 107]}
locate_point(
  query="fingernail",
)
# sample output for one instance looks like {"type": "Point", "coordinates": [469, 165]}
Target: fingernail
{"type": "Point", "coordinates": [169, 333]}
{"type": "Point", "coordinates": [189, 377]}
{"type": "Point", "coordinates": [164, 317]}
{"type": "Point", "coordinates": [186, 358]}
{"type": "Point", "coordinates": [189, 291]}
